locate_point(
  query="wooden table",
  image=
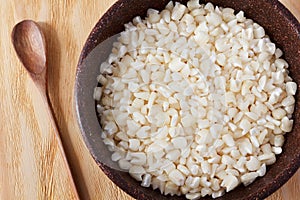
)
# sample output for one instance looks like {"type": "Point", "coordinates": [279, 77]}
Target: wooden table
{"type": "Point", "coordinates": [30, 165]}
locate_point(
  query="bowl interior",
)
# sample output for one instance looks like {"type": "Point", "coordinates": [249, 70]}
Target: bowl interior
{"type": "Point", "coordinates": [279, 24]}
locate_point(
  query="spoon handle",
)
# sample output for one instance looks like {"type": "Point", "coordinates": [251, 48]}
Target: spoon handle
{"type": "Point", "coordinates": [47, 102]}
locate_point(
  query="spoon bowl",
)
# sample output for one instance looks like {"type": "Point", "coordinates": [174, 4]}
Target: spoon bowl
{"type": "Point", "coordinates": [27, 36]}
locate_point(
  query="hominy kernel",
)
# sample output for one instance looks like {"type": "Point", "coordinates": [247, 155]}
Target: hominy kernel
{"type": "Point", "coordinates": [291, 88]}
{"type": "Point", "coordinates": [248, 178]}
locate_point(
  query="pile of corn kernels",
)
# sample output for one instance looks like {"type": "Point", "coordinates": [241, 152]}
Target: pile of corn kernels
{"type": "Point", "coordinates": [195, 100]}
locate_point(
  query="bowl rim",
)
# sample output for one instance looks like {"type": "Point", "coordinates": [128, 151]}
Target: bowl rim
{"type": "Point", "coordinates": [92, 41]}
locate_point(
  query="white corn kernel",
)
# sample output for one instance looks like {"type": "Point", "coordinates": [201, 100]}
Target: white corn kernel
{"type": "Point", "coordinates": [289, 100]}
{"type": "Point", "coordinates": [252, 115]}
{"type": "Point", "coordinates": [262, 170]}
{"type": "Point", "coordinates": [205, 166]}
{"type": "Point", "coordinates": [177, 177]}
{"type": "Point", "coordinates": [116, 156]}
{"type": "Point", "coordinates": [245, 125]}
{"type": "Point", "coordinates": [142, 95]}
{"type": "Point", "coordinates": [138, 158]}
{"type": "Point", "coordinates": [230, 182]}
{"type": "Point", "coordinates": [173, 155]}
{"type": "Point", "coordinates": [286, 124]}
{"type": "Point", "coordinates": [248, 178]}
{"type": "Point", "coordinates": [262, 136]}
{"type": "Point", "coordinates": [178, 11]}
{"type": "Point", "coordinates": [272, 120]}
{"type": "Point", "coordinates": [218, 194]}
{"type": "Point", "coordinates": [277, 150]}
{"type": "Point", "coordinates": [259, 32]}
{"type": "Point", "coordinates": [137, 172]}
{"type": "Point", "coordinates": [166, 15]}
{"type": "Point", "coordinates": [111, 128]}
{"type": "Point", "coordinates": [228, 139]}
{"type": "Point", "coordinates": [214, 19]}
{"type": "Point", "coordinates": [291, 88]}
{"type": "Point", "coordinates": [146, 180]}
{"type": "Point", "coordinates": [227, 160]}
{"type": "Point", "coordinates": [192, 182]}
{"type": "Point", "coordinates": [170, 188]}
{"type": "Point", "coordinates": [278, 113]}
{"type": "Point", "coordinates": [290, 109]}
{"type": "Point", "coordinates": [254, 141]}
{"type": "Point", "coordinates": [134, 144]}
{"type": "Point", "coordinates": [278, 140]}
{"type": "Point", "coordinates": [124, 164]}
{"type": "Point", "coordinates": [245, 147]}
{"type": "Point", "coordinates": [183, 170]}
{"type": "Point", "coordinates": [193, 4]}
{"type": "Point", "coordinates": [143, 132]}
{"type": "Point", "coordinates": [253, 164]}
{"type": "Point", "coordinates": [265, 157]}
{"type": "Point", "coordinates": [97, 93]}
{"type": "Point", "coordinates": [193, 196]}
{"type": "Point", "coordinates": [278, 53]}
{"type": "Point", "coordinates": [179, 142]}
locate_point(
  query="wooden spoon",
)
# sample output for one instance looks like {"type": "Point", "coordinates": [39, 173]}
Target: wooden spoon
{"type": "Point", "coordinates": [30, 45]}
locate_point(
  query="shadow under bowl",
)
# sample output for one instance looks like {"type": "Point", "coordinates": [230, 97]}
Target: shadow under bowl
{"type": "Point", "coordinates": [280, 25]}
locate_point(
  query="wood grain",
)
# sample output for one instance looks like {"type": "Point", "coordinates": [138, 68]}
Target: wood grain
{"type": "Point", "coordinates": [30, 166]}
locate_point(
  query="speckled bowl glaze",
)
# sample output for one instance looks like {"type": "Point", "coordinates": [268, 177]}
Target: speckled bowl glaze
{"type": "Point", "coordinates": [279, 24]}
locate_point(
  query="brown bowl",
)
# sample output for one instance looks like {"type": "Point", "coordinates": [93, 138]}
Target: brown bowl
{"type": "Point", "coordinates": [280, 25]}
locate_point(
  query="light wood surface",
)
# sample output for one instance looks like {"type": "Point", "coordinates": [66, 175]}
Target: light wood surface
{"type": "Point", "coordinates": [30, 165]}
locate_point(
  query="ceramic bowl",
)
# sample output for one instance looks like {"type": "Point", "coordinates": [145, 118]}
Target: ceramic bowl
{"type": "Point", "coordinates": [280, 25]}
